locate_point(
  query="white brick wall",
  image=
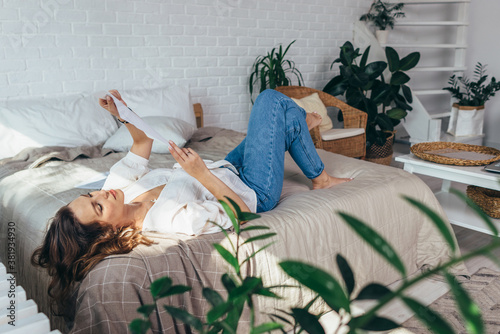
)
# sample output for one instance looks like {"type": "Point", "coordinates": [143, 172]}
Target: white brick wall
{"type": "Point", "coordinates": [66, 46]}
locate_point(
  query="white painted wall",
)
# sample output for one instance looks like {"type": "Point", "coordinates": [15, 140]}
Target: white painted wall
{"type": "Point", "coordinates": [66, 46]}
{"type": "Point", "coordinates": [484, 46]}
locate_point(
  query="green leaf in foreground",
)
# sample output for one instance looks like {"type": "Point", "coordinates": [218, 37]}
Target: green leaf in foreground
{"type": "Point", "coordinates": [468, 308]}
{"type": "Point", "coordinates": [309, 322]}
{"type": "Point", "coordinates": [319, 281]}
{"type": "Point", "coordinates": [212, 296]}
{"type": "Point", "coordinates": [139, 326]}
{"type": "Point", "coordinates": [346, 272]}
{"type": "Point", "coordinates": [146, 309]}
{"type": "Point", "coordinates": [430, 318]}
{"type": "Point", "coordinates": [259, 237]}
{"type": "Point", "coordinates": [373, 291]}
{"type": "Point", "coordinates": [160, 286]}
{"type": "Point", "coordinates": [438, 221]}
{"type": "Point", "coordinates": [266, 327]}
{"type": "Point", "coordinates": [228, 257]}
{"type": "Point", "coordinates": [185, 317]}
{"type": "Point", "coordinates": [230, 213]}
{"type": "Point", "coordinates": [376, 241]}
{"type": "Point", "coordinates": [376, 324]}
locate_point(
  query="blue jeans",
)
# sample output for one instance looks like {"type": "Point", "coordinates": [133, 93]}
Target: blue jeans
{"type": "Point", "coordinates": [276, 125]}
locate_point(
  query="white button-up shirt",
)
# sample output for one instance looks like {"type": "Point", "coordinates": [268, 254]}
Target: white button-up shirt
{"type": "Point", "coordinates": [184, 205]}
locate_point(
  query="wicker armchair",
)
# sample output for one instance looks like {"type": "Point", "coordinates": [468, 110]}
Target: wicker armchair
{"type": "Point", "coordinates": [354, 146]}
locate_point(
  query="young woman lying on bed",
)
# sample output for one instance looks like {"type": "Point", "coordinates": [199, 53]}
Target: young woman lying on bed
{"type": "Point", "coordinates": [179, 200]}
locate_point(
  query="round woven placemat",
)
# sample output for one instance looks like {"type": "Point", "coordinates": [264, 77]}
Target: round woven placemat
{"type": "Point", "coordinates": [420, 149]}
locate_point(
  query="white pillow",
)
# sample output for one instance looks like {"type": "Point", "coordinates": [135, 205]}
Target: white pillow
{"type": "Point", "coordinates": [174, 101]}
{"type": "Point", "coordinates": [171, 128]}
{"type": "Point", "coordinates": [69, 121]}
{"type": "Point", "coordinates": [313, 103]}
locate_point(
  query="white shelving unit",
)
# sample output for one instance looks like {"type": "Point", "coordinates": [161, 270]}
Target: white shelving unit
{"type": "Point", "coordinates": [426, 121]}
{"type": "Point", "coordinates": [456, 177]}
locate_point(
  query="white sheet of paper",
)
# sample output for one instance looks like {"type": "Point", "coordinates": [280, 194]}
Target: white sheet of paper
{"type": "Point", "coordinates": [128, 115]}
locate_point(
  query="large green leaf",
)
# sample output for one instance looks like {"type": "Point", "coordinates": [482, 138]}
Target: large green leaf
{"type": "Point", "coordinates": [409, 62]}
{"type": "Point", "coordinates": [375, 69]}
{"type": "Point", "coordinates": [364, 58]}
{"type": "Point", "coordinates": [266, 327]}
{"type": "Point", "coordinates": [212, 296]}
{"type": "Point", "coordinates": [160, 286]}
{"type": "Point", "coordinates": [346, 272]}
{"type": "Point", "coordinates": [379, 92]}
{"type": "Point", "coordinates": [375, 324]}
{"type": "Point", "coordinates": [249, 285]}
{"type": "Point", "coordinates": [228, 257]}
{"type": "Point", "coordinates": [353, 96]}
{"type": "Point", "coordinates": [176, 290]}
{"type": "Point", "coordinates": [218, 311]}
{"type": "Point", "coordinates": [430, 318]}
{"type": "Point", "coordinates": [336, 86]}
{"type": "Point", "coordinates": [254, 227]}
{"type": "Point", "coordinates": [396, 113]}
{"type": "Point", "coordinates": [230, 213]}
{"type": "Point", "coordinates": [392, 59]}
{"type": "Point", "coordinates": [384, 122]}
{"type": "Point", "coordinates": [468, 308]}
{"type": "Point", "coordinates": [185, 317]}
{"type": "Point", "coordinates": [139, 326]}
{"type": "Point", "coordinates": [373, 291]}
{"type": "Point", "coordinates": [356, 79]}
{"type": "Point", "coordinates": [399, 78]}
{"type": "Point", "coordinates": [146, 309]}
{"type": "Point", "coordinates": [259, 237]}
{"type": "Point", "coordinates": [307, 321]}
{"type": "Point", "coordinates": [437, 220]}
{"type": "Point", "coordinates": [228, 282]}
{"type": "Point", "coordinates": [319, 281]}
{"type": "Point", "coordinates": [376, 241]}
{"type": "Point", "coordinates": [407, 93]}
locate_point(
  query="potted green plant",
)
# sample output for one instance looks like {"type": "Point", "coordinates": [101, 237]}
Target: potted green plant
{"type": "Point", "coordinates": [467, 115]}
{"type": "Point", "coordinates": [364, 86]}
{"type": "Point", "coordinates": [271, 71]}
{"type": "Point", "coordinates": [383, 15]}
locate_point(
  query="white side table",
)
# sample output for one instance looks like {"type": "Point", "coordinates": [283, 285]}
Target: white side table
{"type": "Point", "coordinates": [18, 315]}
{"type": "Point", "coordinates": [457, 211]}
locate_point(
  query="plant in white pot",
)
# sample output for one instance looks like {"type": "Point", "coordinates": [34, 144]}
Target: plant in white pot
{"type": "Point", "coordinates": [383, 15]}
{"type": "Point", "coordinates": [467, 114]}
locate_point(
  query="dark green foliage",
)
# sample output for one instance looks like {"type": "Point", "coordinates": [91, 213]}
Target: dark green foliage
{"type": "Point", "coordinates": [271, 71]}
{"type": "Point", "coordinates": [225, 313]}
{"type": "Point", "coordinates": [475, 92]}
{"type": "Point", "coordinates": [383, 14]}
{"type": "Point", "coordinates": [365, 88]}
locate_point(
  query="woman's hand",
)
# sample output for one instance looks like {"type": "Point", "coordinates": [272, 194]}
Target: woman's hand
{"type": "Point", "coordinates": [190, 161]}
{"type": "Point", "coordinates": [108, 103]}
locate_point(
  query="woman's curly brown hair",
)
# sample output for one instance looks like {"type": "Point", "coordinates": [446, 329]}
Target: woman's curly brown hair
{"type": "Point", "coordinates": [71, 249]}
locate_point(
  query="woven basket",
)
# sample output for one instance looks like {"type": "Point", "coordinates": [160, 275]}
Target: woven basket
{"type": "Point", "coordinates": [381, 154]}
{"type": "Point", "coordinates": [487, 199]}
{"type": "Point", "coordinates": [420, 149]}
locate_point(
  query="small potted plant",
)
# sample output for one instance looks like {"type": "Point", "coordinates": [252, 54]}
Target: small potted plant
{"type": "Point", "coordinates": [383, 15]}
{"type": "Point", "coordinates": [467, 114]}
{"type": "Point", "coordinates": [271, 71]}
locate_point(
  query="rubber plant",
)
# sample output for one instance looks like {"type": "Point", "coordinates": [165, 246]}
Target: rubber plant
{"type": "Point", "coordinates": [338, 294]}
{"type": "Point", "coordinates": [364, 86]}
{"type": "Point", "coordinates": [273, 70]}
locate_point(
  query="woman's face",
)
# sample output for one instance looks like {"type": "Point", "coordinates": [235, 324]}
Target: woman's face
{"type": "Point", "coordinates": [105, 207]}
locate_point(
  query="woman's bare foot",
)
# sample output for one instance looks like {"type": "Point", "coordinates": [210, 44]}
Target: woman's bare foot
{"type": "Point", "coordinates": [313, 119]}
{"type": "Point", "coordinates": [324, 181]}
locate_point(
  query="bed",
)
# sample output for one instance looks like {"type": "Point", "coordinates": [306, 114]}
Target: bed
{"type": "Point", "coordinates": [37, 181]}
